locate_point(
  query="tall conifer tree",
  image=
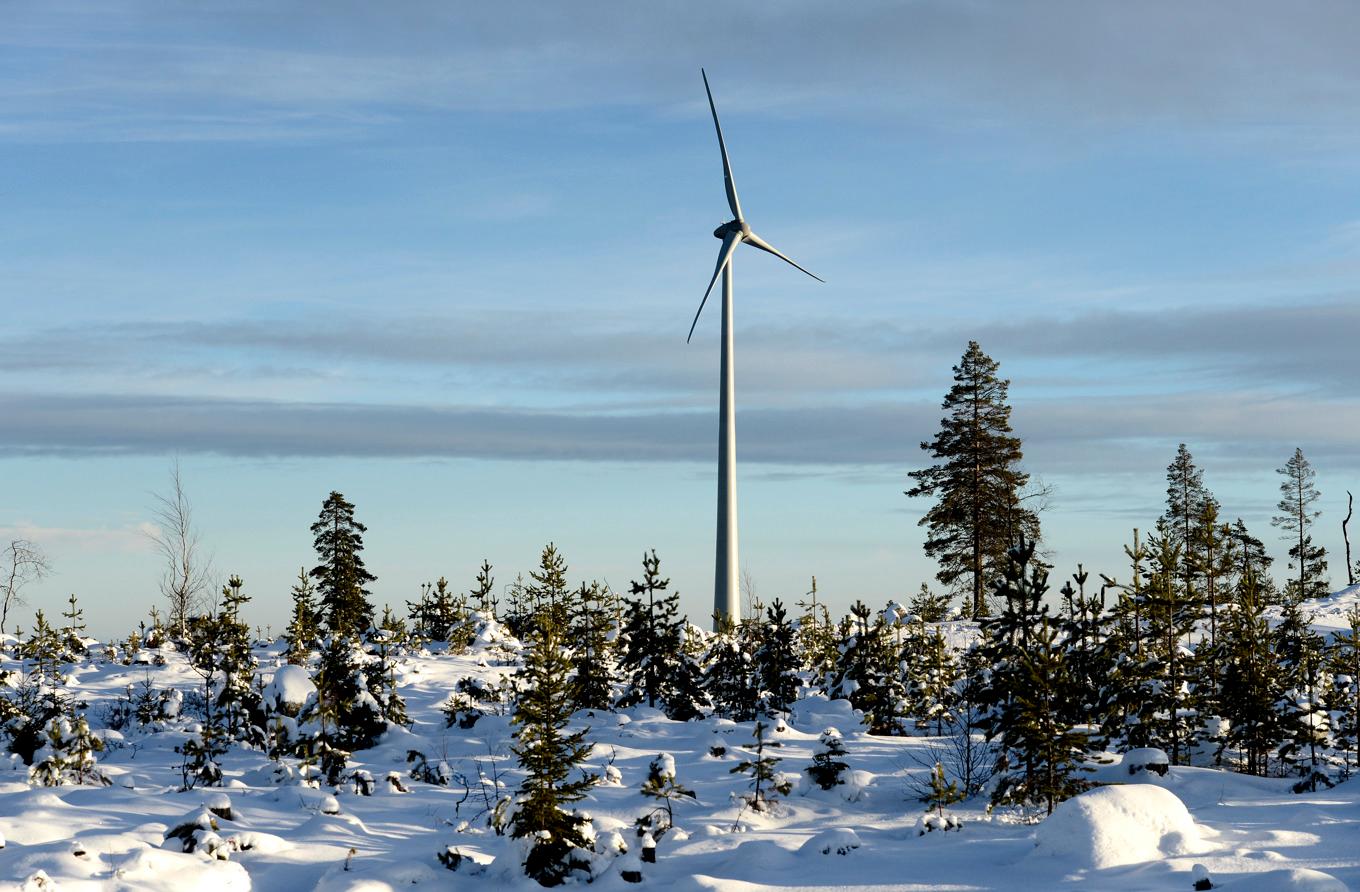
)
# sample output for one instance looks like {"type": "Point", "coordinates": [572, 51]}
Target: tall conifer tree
{"type": "Point", "coordinates": [341, 576]}
{"type": "Point", "coordinates": [976, 482]}
{"type": "Point", "coordinates": [1298, 495]}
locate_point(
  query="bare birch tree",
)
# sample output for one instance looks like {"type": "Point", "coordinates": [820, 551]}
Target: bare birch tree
{"type": "Point", "coordinates": [186, 569]}
{"type": "Point", "coordinates": [24, 562]}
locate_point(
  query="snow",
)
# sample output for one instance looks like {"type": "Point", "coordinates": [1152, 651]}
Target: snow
{"type": "Point", "coordinates": [1109, 826]}
{"type": "Point", "coordinates": [1248, 833]}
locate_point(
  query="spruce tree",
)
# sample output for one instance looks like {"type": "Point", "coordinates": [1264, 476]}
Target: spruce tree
{"type": "Point", "coordinates": [662, 786]}
{"type": "Point", "coordinates": [1252, 684]}
{"type": "Point", "coordinates": [777, 661]}
{"type": "Point", "coordinates": [1029, 691]}
{"type": "Point", "coordinates": [1186, 503]}
{"type": "Point", "coordinates": [483, 598]}
{"type": "Point", "coordinates": [655, 667]}
{"type": "Point", "coordinates": [341, 576]}
{"type": "Point", "coordinates": [729, 674]}
{"type": "Point", "coordinates": [1298, 495]}
{"type": "Point", "coordinates": [828, 760]}
{"type": "Point", "coordinates": [1345, 661]}
{"type": "Point", "coordinates": [868, 673]}
{"type": "Point", "coordinates": [976, 482]}
{"type": "Point", "coordinates": [549, 756]}
{"type": "Point", "coordinates": [592, 657]}
{"type": "Point", "coordinates": [238, 700]}
{"type": "Point", "coordinates": [304, 629]}
{"type": "Point", "coordinates": [549, 595]}
{"type": "Point", "coordinates": [765, 780]}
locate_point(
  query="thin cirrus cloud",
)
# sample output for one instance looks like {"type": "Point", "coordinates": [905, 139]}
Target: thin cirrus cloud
{"type": "Point", "coordinates": [1070, 436]}
{"type": "Point", "coordinates": [266, 72]}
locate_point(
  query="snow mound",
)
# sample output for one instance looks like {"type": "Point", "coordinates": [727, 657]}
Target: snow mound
{"type": "Point", "coordinates": [1129, 824]}
{"type": "Point", "coordinates": [835, 841]}
{"type": "Point", "coordinates": [838, 841]}
{"type": "Point", "coordinates": [1295, 879]}
{"type": "Point", "coordinates": [289, 689]}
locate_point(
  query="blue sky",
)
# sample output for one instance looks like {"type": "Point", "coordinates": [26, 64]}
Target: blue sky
{"type": "Point", "coordinates": [442, 257]}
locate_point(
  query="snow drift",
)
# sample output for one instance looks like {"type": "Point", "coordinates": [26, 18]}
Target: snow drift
{"type": "Point", "coordinates": [1128, 824]}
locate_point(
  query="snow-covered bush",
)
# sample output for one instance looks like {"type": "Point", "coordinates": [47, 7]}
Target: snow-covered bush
{"type": "Point", "coordinates": [828, 765]}
{"type": "Point", "coordinates": [68, 755]}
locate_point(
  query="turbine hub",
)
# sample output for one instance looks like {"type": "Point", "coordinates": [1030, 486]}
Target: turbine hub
{"type": "Point", "coordinates": [732, 226]}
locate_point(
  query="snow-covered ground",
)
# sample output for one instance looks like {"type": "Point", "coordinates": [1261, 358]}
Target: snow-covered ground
{"type": "Point", "coordinates": [1248, 833]}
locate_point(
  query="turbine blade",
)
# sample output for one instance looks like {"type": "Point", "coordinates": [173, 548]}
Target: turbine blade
{"type": "Point", "coordinates": [731, 186]}
{"type": "Point", "coordinates": [730, 242]}
{"type": "Point", "coordinates": [758, 242]}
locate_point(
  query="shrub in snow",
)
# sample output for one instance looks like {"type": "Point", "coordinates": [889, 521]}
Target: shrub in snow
{"type": "Point", "coordinates": [197, 832]}
{"type": "Point", "coordinates": [219, 804]}
{"type": "Point", "coordinates": [1148, 759]}
{"type": "Point", "coordinates": [930, 823]}
{"type": "Point", "coordinates": [1126, 824]}
{"type": "Point", "coordinates": [662, 787]}
{"type": "Point", "coordinates": [288, 691]}
{"type": "Point", "coordinates": [828, 766]}
{"type": "Point", "coordinates": [941, 792]}
{"type": "Point", "coordinates": [201, 750]}
{"type": "Point", "coordinates": [765, 781]}
{"type": "Point", "coordinates": [68, 755]}
{"type": "Point", "coordinates": [437, 773]}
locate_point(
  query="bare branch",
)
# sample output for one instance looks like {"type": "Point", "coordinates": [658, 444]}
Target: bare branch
{"type": "Point", "coordinates": [187, 572]}
{"type": "Point", "coordinates": [24, 563]}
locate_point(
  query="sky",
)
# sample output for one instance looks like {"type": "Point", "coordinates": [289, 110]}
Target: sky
{"type": "Point", "coordinates": [442, 257]}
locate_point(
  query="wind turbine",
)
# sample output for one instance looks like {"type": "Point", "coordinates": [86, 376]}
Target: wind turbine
{"type": "Point", "coordinates": [726, 603]}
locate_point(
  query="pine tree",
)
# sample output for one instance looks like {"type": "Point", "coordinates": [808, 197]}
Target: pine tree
{"type": "Point", "coordinates": [73, 629]}
{"type": "Point", "coordinates": [932, 673]}
{"type": "Point", "coordinates": [347, 715]}
{"type": "Point", "coordinates": [1186, 503]}
{"type": "Point", "coordinates": [1305, 720]}
{"type": "Point", "coordinates": [1030, 691]}
{"type": "Point", "coordinates": [1298, 495]}
{"type": "Point", "coordinates": [1252, 685]}
{"type": "Point", "coordinates": [1251, 560]}
{"type": "Point", "coordinates": [976, 482]}
{"type": "Point", "coordinates": [238, 700]}
{"type": "Point", "coordinates": [67, 755]}
{"type": "Point", "coordinates": [655, 667]}
{"type": "Point", "coordinates": [549, 756]}
{"type": "Point", "coordinates": [484, 601]}
{"type": "Point", "coordinates": [341, 576]}
{"type": "Point", "coordinates": [592, 657]}
{"type": "Point", "coordinates": [1345, 660]}
{"type": "Point", "coordinates": [304, 629]}
{"type": "Point", "coordinates": [662, 786]}
{"type": "Point", "coordinates": [868, 673]}
{"type": "Point", "coordinates": [549, 595]}
{"type": "Point", "coordinates": [1172, 616]}
{"type": "Point", "coordinates": [729, 676]}
{"type": "Point", "coordinates": [764, 778]}
{"type": "Point", "coordinates": [380, 674]}
{"type": "Point", "coordinates": [777, 661]}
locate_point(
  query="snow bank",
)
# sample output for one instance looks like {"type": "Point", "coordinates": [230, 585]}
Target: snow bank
{"type": "Point", "coordinates": [837, 840]}
{"type": "Point", "coordinates": [1295, 879]}
{"type": "Point", "coordinates": [1109, 826]}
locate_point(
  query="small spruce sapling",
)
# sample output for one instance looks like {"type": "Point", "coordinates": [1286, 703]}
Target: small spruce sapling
{"type": "Point", "coordinates": [765, 780]}
{"type": "Point", "coordinates": [828, 764]}
{"type": "Point", "coordinates": [662, 786]}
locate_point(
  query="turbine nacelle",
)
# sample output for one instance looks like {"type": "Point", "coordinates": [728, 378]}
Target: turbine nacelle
{"type": "Point", "coordinates": [736, 226]}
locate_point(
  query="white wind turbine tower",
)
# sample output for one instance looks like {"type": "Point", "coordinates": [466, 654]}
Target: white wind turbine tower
{"type": "Point", "coordinates": [726, 602]}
